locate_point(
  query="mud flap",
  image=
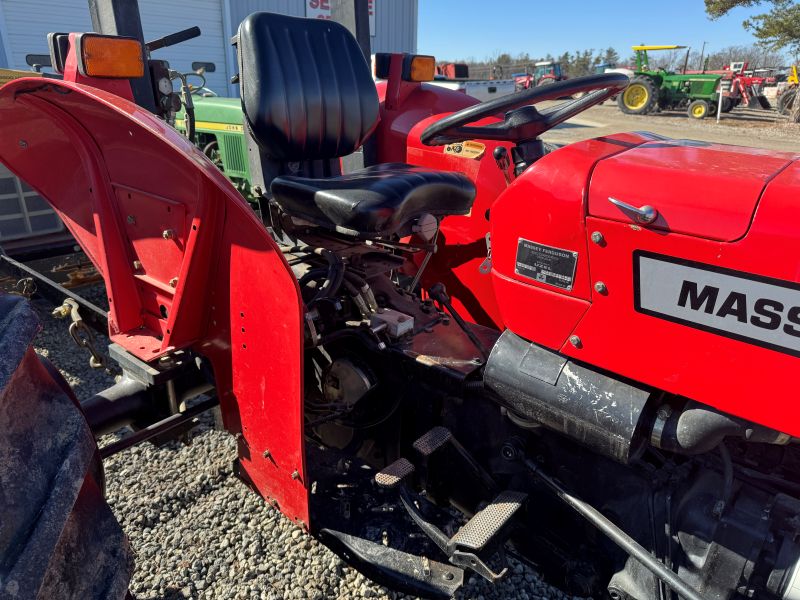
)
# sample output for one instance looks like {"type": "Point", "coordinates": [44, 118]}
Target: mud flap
{"type": "Point", "coordinates": [58, 536]}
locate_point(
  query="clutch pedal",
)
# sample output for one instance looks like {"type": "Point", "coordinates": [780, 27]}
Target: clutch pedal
{"type": "Point", "coordinates": [439, 437]}
{"type": "Point", "coordinates": [393, 475]}
{"type": "Point", "coordinates": [432, 440]}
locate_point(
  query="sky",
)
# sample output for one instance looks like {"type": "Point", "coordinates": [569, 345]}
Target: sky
{"type": "Point", "coordinates": [461, 29]}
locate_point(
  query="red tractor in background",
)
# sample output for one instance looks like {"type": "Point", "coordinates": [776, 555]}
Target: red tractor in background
{"type": "Point", "coordinates": [741, 88]}
{"type": "Point", "coordinates": [473, 346]}
{"type": "Point", "coordinates": [544, 73]}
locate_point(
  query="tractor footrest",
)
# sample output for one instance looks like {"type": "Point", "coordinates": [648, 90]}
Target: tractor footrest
{"type": "Point", "coordinates": [479, 531]}
{"type": "Point", "coordinates": [416, 575]}
{"type": "Point", "coordinates": [392, 475]}
{"type": "Point", "coordinates": [432, 440]}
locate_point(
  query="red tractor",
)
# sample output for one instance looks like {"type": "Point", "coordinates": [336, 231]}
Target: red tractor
{"type": "Point", "coordinates": [473, 347]}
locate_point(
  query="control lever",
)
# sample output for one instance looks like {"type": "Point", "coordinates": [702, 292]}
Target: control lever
{"type": "Point", "coordinates": [503, 162]}
{"type": "Point", "coordinates": [173, 38]}
{"type": "Point", "coordinates": [439, 293]}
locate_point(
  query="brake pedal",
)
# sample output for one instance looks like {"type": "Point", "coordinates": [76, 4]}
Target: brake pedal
{"type": "Point", "coordinates": [432, 440]}
{"type": "Point", "coordinates": [438, 437]}
{"type": "Point", "coordinates": [485, 533]}
{"type": "Point", "coordinates": [487, 523]}
{"type": "Point", "coordinates": [393, 475]}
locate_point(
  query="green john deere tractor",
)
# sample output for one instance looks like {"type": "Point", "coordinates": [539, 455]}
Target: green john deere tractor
{"type": "Point", "coordinates": [219, 132]}
{"type": "Point", "coordinates": [653, 90]}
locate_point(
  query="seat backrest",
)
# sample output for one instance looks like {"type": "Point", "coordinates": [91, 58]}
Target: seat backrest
{"type": "Point", "coordinates": [307, 92]}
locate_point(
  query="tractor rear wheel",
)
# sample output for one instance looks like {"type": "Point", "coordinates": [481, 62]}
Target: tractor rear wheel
{"type": "Point", "coordinates": [786, 100]}
{"type": "Point", "coordinates": [58, 536]}
{"type": "Point", "coordinates": [727, 104]}
{"type": "Point", "coordinates": [698, 109]}
{"type": "Point", "coordinates": [639, 97]}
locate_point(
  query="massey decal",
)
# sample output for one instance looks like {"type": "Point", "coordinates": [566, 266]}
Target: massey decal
{"type": "Point", "coordinates": [546, 264]}
{"type": "Point", "coordinates": [746, 307]}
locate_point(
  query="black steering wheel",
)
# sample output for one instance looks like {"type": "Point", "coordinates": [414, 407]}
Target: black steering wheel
{"type": "Point", "coordinates": [522, 120]}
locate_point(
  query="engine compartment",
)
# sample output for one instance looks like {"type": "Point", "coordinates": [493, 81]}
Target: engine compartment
{"type": "Point", "coordinates": [668, 301]}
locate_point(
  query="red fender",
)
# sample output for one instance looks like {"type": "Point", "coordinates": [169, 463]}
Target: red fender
{"type": "Point", "coordinates": [187, 264]}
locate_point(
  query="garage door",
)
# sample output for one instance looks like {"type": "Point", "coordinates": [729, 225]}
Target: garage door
{"type": "Point", "coordinates": [160, 17]}
{"type": "Point", "coordinates": [29, 21]}
{"type": "Point", "coordinates": [23, 212]}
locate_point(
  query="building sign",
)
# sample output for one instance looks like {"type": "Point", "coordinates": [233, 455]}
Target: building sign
{"type": "Point", "coordinates": [321, 9]}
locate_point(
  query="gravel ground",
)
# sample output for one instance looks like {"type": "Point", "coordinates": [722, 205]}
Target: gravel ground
{"type": "Point", "coordinates": [198, 532]}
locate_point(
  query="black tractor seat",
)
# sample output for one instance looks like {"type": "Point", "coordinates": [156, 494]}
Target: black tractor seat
{"type": "Point", "coordinates": [377, 201]}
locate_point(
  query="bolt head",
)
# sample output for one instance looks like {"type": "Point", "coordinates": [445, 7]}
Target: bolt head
{"type": "Point", "coordinates": [168, 234]}
{"type": "Point", "coordinates": [173, 282]}
{"type": "Point", "coordinates": [295, 474]}
{"type": "Point", "coordinates": [597, 237]}
{"type": "Point", "coordinates": [267, 453]}
{"type": "Point", "coordinates": [137, 265]}
{"type": "Point", "coordinates": [131, 219]}
{"type": "Point", "coordinates": [575, 341]}
{"type": "Point", "coordinates": [600, 287]}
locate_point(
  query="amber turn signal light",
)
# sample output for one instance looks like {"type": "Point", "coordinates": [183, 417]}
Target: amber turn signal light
{"type": "Point", "coordinates": [419, 67]}
{"type": "Point", "coordinates": [109, 56]}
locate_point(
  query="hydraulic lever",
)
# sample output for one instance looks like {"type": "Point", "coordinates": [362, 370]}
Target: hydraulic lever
{"type": "Point", "coordinates": [503, 161]}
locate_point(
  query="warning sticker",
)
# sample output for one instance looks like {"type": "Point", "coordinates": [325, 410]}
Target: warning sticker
{"type": "Point", "coordinates": [467, 149]}
{"type": "Point", "coordinates": [546, 264]}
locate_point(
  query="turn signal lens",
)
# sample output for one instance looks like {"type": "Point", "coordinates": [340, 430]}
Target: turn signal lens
{"type": "Point", "coordinates": [110, 56]}
{"type": "Point", "coordinates": [422, 68]}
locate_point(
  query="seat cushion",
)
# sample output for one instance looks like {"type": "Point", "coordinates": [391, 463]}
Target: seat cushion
{"type": "Point", "coordinates": [377, 201]}
{"type": "Point", "coordinates": [307, 90]}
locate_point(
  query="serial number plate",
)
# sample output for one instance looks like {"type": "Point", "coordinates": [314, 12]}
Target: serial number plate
{"type": "Point", "coordinates": [545, 264]}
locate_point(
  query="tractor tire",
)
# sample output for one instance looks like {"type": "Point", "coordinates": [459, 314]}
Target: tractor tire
{"type": "Point", "coordinates": [727, 104]}
{"type": "Point", "coordinates": [786, 100]}
{"type": "Point", "coordinates": [545, 81]}
{"type": "Point", "coordinates": [639, 97]}
{"type": "Point", "coordinates": [698, 109]}
{"type": "Point", "coordinates": [763, 102]}
{"type": "Point", "coordinates": [58, 536]}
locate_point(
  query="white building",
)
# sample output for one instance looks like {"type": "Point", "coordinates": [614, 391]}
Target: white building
{"type": "Point", "coordinates": [24, 25]}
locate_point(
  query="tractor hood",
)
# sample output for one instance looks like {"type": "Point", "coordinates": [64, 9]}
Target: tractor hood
{"type": "Point", "coordinates": [697, 188]}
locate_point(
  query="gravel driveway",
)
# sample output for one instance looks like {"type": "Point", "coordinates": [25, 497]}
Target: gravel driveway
{"type": "Point", "coordinates": [198, 532]}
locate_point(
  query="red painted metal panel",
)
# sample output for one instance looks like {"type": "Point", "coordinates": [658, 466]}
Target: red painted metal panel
{"type": "Point", "coordinates": [738, 377]}
{"type": "Point", "coordinates": [119, 178]}
{"type": "Point", "coordinates": [702, 189]}
{"type": "Point", "coordinates": [546, 205]}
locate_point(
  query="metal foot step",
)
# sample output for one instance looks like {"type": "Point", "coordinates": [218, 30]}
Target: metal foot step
{"type": "Point", "coordinates": [484, 535]}
{"type": "Point", "coordinates": [399, 570]}
{"type": "Point", "coordinates": [437, 438]}
{"type": "Point", "coordinates": [487, 523]}
{"type": "Point", "coordinates": [393, 475]}
{"type": "Point", "coordinates": [432, 440]}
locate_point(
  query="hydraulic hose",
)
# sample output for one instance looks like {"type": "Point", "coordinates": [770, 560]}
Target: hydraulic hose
{"type": "Point", "coordinates": [616, 535]}
{"type": "Point", "coordinates": [334, 275]}
{"type": "Point", "coordinates": [364, 290]}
